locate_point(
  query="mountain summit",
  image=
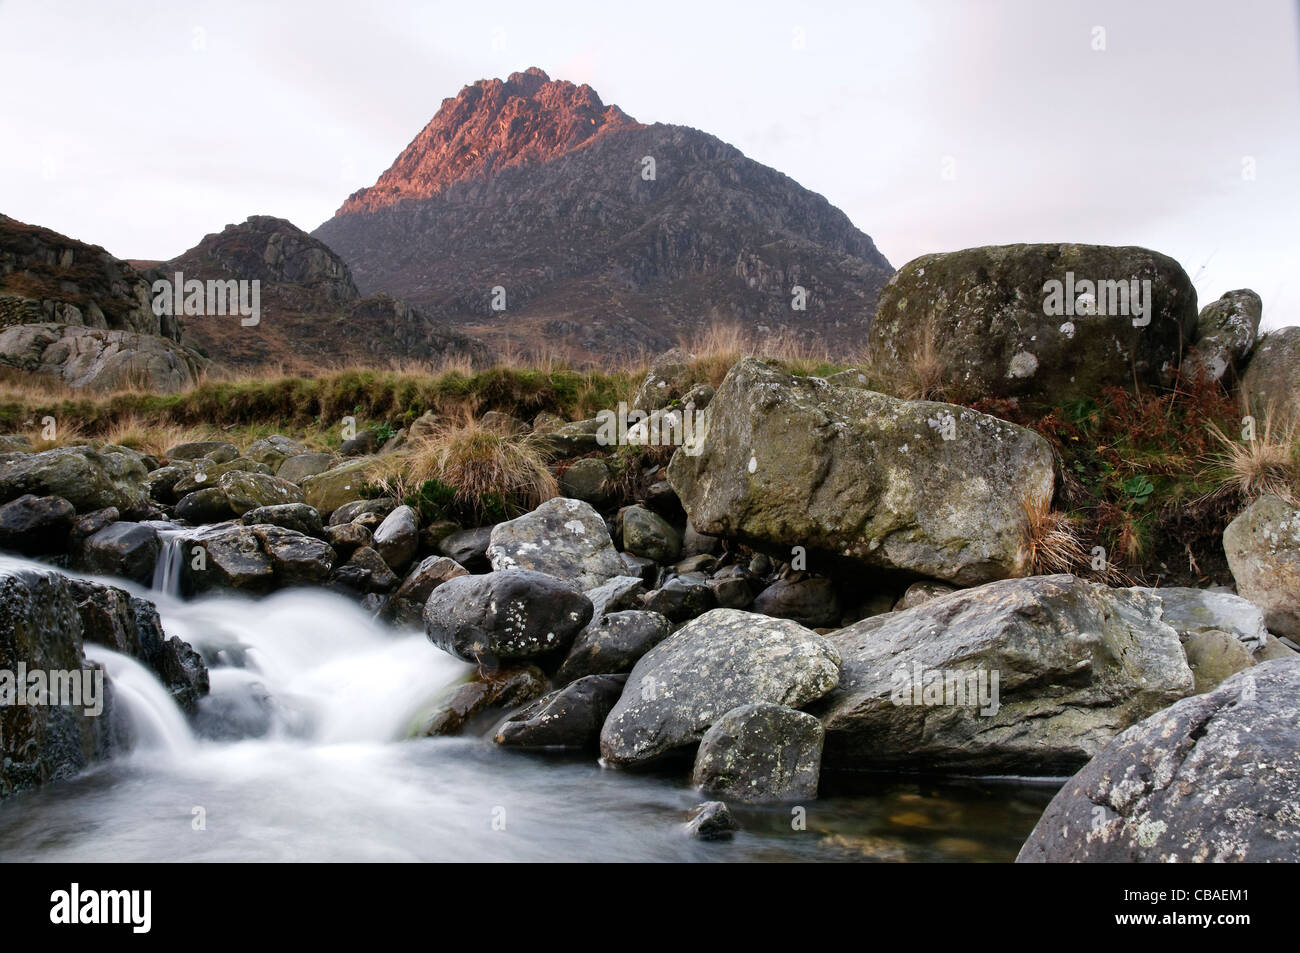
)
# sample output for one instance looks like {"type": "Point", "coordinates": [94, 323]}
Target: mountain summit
{"type": "Point", "coordinates": [599, 235]}
{"type": "Point", "coordinates": [489, 126]}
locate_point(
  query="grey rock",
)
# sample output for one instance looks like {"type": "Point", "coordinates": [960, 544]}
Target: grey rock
{"type": "Point", "coordinates": [298, 467]}
{"type": "Point", "coordinates": [711, 820]}
{"type": "Point", "coordinates": [811, 601]}
{"type": "Point", "coordinates": [407, 605]}
{"type": "Point", "coordinates": [398, 537]}
{"type": "Point", "coordinates": [295, 516]}
{"type": "Point", "coordinates": [36, 525]}
{"type": "Point", "coordinates": [567, 718]}
{"type": "Point", "coordinates": [646, 533]}
{"type": "Point", "coordinates": [563, 538]}
{"type": "Point", "coordinates": [613, 644]}
{"type": "Point", "coordinates": [1263, 549]}
{"type": "Point", "coordinates": [761, 752]}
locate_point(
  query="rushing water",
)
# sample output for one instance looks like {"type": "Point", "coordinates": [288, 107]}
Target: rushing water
{"type": "Point", "coordinates": [302, 752]}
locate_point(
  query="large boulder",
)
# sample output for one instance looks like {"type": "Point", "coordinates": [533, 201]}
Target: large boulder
{"type": "Point", "coordinates": [82, 357]}
{"type": "Point", "coordinates": [233, 558]}
{"type": "Point", "coordinates": [1021, 676]}
{"type": "Point", "coordinates": [295, 516]}
{"type": "Point", "coordinates": [1211, 779]}
{"type": "Point", "coordinates": [247, 491]}
{"type": "Point", "coordinates": [87, 478]}
{"type": "Point", "coordinates": [298, 467]}
{"type": "Point", "coordinates": [761, 752]}
{"type": "Point", "coordinates": [997, 327]}
{"type": "Point", "coordinates": [720, 661]}
{"type": "Point", "coordinates": [563, 538]}
{"type": "Point", "coordinates": [1192, 612]}
{"type": "Point", "coordinates": [36, 524]}
{"type": "Point", "coordinates": [129, 550]}
{"type": "Point", "coordinates": [928, 488]}
{"type": "Point", "coordinates": [512, 614]}
{"type": "Point", "coordinates": [668, 379]}
{"type": "Point", "coordinates": [1263, 549]}
{"type": "Point", "coordinates": [1272, 379]}
{"type": "Point", "coordinates": [1225, 333]}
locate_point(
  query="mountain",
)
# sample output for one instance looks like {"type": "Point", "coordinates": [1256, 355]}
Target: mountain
{"type": "Point", "coordinates": [537, 187]}
{"type": "Point", "coordinates": [71, 311]}
{"type": "Point", "coordinates": [311, 314]}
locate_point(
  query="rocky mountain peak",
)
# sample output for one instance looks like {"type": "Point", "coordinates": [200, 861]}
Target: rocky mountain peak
{"type": "Point", "coordinates": [492, 125]}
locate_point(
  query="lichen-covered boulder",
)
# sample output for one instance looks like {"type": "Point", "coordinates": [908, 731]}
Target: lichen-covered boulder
{"type": "Point", "coordinates": [1212, 778]}
{"type": "Point", "coordinates": [274, 450]}
{"type": "Point", "coordinates": [761, 752]}
{"type": "Point", "coordinates": [95, 358]}
{"type": "Point", "coordinates": [646, 533]}
{"type": "Point", "coordinates": [87, 478]}
{"type": "Point", "coordinates": [1263, 549]}
{"type": "Point", "coordinates": [563, 538]}
{"type": "Point", "coordinates": [668, 379]}
{"type": "Point", "coordinates": [508, 615]}
{"type": "Point", "coordinates": [295, 516]}
{"type": "Point", "coordinates": [329, 490]}
{"type": "Point", "coordinates": [1272, 378]}
{"type": "Point", "coordinates": [247, 491]}
{"type": "Point", "coordinates": [863, 478]}
{"type": "Point", "coordinates": [1225, 333]}
{"type": "Point", "coordinates": [998, 327]}
{"type": "Point", "coordinates": [1021, 676]}
{"type": "Point", "coordinates": [720, 661]}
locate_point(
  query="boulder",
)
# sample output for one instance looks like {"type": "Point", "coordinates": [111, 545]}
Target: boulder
{"type": "Point", "coordinates": [587, 480]}
{"type": "Point", "coordinates": [407, 605]}
{"type": "Point", "coordinates": [1263, 549]}
{"type": "Point", "coordinates": [469, 547]}
{"type": "Point", "coordinates": [365, 572]}
{"type": "Point", "coordinates": [682, 598]}
{"type": "Point", "coordinates": [720, 661]}
{"type": "Point", "coordinates": [216, 451]}
{"type": "Point", "coordinates": [274, 450]}
{"type": "Point", "coordinates": [365, 443]}
{"type": "Point", "coordinates": [357, 510]}
{"type": "Point", "coordinates": [613, 644]}
{"type": "Point", "coordinates": [563, 538]}
{"type": "Point", "coordinates": [233, 558]}
{"type": "Point", "coordinates": [298, 467]}
{"type": "Point", "coordinates": [208, 505]}
{"type": "Point", "coordinates": [646, 533]}
{"type": "Point", "coordinates": [129, 550]}
{"type": "Point", "coordinates": [761, 752]}
{"type": "Point", "coordinates": [87, 478]}
{"type": "Point", "coordinates": [94, 358]}
{"type": "Point", "coordinates": [298, 559]}
{"type": "Point", "coordinates": [1212, 778]}
{"type": "Point", "coordinates": [567, 718]}
{"type": "Point", "coordinates": [247, 491]}
{"type": "Point", "coordinates": [1195, 611]}
{"type": "Point", "coordinates": [398, 537]}
{"type": "Point", "coordinates": [999, 328]}
{"type": "Point", "coordinates": [329, 490]}
{"type": "Point", "coordinates": [811, 601]}
{"type": "Point", "coordinates": [36, 525]}
{"type": "Point", "coordinates": [919, 593]}
{"type": "Point", "coordinates": [1272, 378]}
{"type": "Point", "coordinates": [347, 538]}
{"type": "Point", "coordinates": [621, 592]}
{"type": "Point", "coordinates": [506, 615]}
{"type": "Point", "coordinates": [1021, 676]}
{"type": "Point", "coordinates": [1225, 334]}
{"type": "Point", "coordinates": [208, 473]}
{"type": "Point", "coordinates": [298, 517]}
{"type": "Point", "coordinates": [862, 478]}
{"type": "Point", "coordinates": [1215, 657]}
{"type": "Point", "coordinates": [669, 379]}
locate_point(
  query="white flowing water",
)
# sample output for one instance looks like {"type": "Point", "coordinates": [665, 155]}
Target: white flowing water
{"type": "Point", "coordinates": [303, 751]}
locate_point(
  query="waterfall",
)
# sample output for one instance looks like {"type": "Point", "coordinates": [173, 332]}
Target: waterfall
{"type": "Point", "coordinates": [157, 725]}
{"type": "Point", "coordinates": [167, 570]}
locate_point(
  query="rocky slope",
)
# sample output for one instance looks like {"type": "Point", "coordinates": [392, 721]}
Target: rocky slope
{"type": "Point", "coordinates": [537, 187]}
{"type": "Point", "coordinates": [312, 315]}
{"type": "Point", "coordinates": [73, 312]}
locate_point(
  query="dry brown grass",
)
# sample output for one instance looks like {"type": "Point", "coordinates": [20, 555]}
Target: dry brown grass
{"type": "Point", "coordinates": [153, 437]}
{"type": "Point", "coordinates": [716, 348]}
{"type": "Point", "coordinates": [1267, 464]}
{"type": "Point", "coordinates": [1050, 539]}
{"type": "Point", "coordinates": [480, 463]}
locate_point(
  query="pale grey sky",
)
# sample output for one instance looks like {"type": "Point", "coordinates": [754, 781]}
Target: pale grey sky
{"type": "Point", "coordinates": [143, 126]}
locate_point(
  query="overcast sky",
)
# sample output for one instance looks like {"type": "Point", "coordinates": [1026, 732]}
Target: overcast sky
{"type": "Point", "coordinates": [935, 126]}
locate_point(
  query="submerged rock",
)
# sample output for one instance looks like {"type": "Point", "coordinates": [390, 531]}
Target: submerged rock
{"type": "Point", "coordinates": [711, 820]}
{"type": "Point", "coordinates": [1212, 778]}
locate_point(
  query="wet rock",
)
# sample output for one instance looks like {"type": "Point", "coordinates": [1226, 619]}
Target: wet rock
{"type": "Point", "coordinates": [298, 559]}
{"type": "Point", "coordinates": [1263, 548]}
{"type": "Point", "coordinates": [613, 644]}
{"type": "Point", "coordinates": [1212, 778]}
{"type": "Point", "coordinates": [711, 820]}
{"type": "Point", "coordinates": [36, 525]}
{"type": "Point", "coordinates": [129, 550]}
{"type": "Point", "coordinates": [347, 538]}
{"type": "Point", "coordinates": [398, 537]}
{"type": "Point", "coordinates": [568, 718]}
{"type": "Point", "coordinates": [92, 522]}
{"type": "Point", "coordinates": [811, 601]}
{"type": "Point", "coordinates": [761, 752]}
{"type": "Point", "coordinates": [365, 571]}
{"type": "Point", "coordinates": [1074, 663]}
{"type": "Point", "coordinates": [232, 558]}
{"type": "Point", "coordinates": [563, 538]}
{"type": "Point", "coordinates": [208, 505]}
{"type": "Point", "coordinates": [483, 696]}
{"type": "Point", "coordinates": [718, 662]}
{"type": "Point", "coordinates": [862, 479]}
{"type": "Point", "coordinates": [298, 517]}
{"type": "Point", "coordinates": [505, 615]}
